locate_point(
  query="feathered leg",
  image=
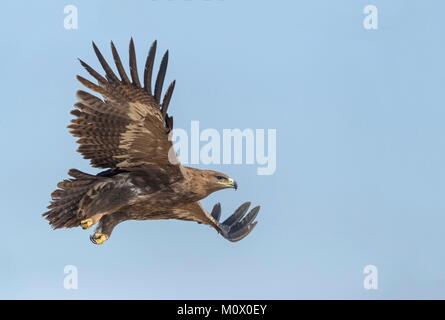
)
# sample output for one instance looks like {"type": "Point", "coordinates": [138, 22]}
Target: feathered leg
{"type": "Point", "coordinates": [103, 199]}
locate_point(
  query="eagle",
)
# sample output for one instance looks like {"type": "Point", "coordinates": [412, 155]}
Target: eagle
{"type": "Point", "coordinates": [126, 132]}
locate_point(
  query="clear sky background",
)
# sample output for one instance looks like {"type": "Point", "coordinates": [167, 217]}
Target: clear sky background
{"type": "Point", "coordinates": [360, 156]}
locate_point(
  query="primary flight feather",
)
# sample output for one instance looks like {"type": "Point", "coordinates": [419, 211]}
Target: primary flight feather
{"type": "Point", "coordinates": [127, 132]}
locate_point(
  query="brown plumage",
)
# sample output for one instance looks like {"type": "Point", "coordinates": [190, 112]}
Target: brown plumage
{"type": "Point", "coordinates": [127, 132]}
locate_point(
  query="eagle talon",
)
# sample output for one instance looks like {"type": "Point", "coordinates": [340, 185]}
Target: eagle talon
{"type": "Point", "coordinates": [98, 238]}
{"type": "Point", "coordinates": [87, 223]}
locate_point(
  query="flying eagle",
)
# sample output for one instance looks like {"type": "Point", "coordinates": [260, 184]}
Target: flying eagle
{"type": "Point", "coordinates": [127, 133]}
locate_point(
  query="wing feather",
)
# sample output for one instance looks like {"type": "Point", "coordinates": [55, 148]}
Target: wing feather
{"type": "Point", "coordinates": [148, 72]}
{"type": "Point", "coordinates": [109, 72]}
{"type": "Point", "coordinates": [167, 98]}
{"type": "Point", "coordinates": [119, 66]}
{"type": "Point", "coordinates": [93, 72]}
{"type": "Point", "coordinates": [234, 228]}
{"type": "Point", "coordinates": [161, 76]}
{"type": "Point", "coordinates": [133, 65]}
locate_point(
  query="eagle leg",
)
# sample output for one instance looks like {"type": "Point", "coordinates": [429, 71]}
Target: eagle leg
{"type": "Point", "coordinates": [98, 238]}
{"type": "Point", "coordinates": [89, 222]}
{"type": "Point", "coordinates": [106, 225]}
{"type": "Point", "coordinates": [239, 224]}
{"type": "Point", "coordinates": [86, 223]}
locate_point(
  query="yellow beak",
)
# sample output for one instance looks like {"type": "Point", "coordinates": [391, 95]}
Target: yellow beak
{"type": "Point", "coordinates": [232, 184]}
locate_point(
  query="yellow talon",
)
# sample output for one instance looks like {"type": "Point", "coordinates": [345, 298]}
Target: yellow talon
{"type": "Point", "coordinates": [99, 238]}
{"type": "Point", "coordinates": [87, 223]}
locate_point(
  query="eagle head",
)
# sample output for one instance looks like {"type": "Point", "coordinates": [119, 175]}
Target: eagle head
{"type": "Point", "coordinates": [221, 181]}
{"type": "Point", "coordinates": [205, 182]}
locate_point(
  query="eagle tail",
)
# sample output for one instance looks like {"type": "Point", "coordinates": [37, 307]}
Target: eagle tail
{"type": "Point", "coordinates": [63, 209]}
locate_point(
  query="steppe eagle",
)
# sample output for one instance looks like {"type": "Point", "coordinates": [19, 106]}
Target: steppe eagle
{"type": "Point", "coordinates": [127, 132]}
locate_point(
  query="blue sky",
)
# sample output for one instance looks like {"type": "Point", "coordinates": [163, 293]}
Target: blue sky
{"type": "Point", "coordinates": [360, 148]}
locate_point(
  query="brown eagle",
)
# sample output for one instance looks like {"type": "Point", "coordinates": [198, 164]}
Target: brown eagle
{"type": "Point", "coordinates": [127, 133]}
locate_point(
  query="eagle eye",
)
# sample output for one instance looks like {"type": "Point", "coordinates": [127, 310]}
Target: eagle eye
{"type": "Point", "coordinates": [220, 178]}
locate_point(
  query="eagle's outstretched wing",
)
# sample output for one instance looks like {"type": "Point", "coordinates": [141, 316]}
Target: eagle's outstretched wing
{"type": "Point", "coordinates": [234, 228]}
{"type": "Point", "coordinates": [129, 126]}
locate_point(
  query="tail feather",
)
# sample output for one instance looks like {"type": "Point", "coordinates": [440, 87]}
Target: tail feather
{"type": "Point", "coordinates": [65, 200]}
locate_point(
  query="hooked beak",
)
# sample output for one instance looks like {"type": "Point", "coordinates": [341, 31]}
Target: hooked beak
{"type": "Point", "coordinates": [229, 183]}
{"type": "Point", "coordinates": [232, 184]}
